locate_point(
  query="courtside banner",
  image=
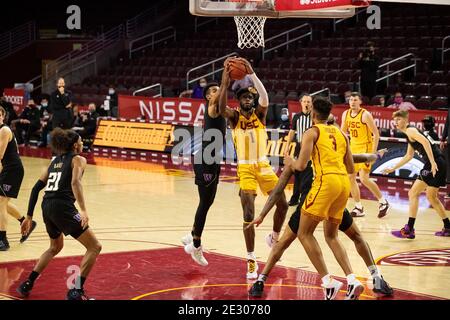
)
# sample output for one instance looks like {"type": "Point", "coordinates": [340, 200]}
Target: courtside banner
{"type": "Point", "coordinates": [289, 5]}
{"type": "Point", "coordinates": [15, 96]}
{"type": "Point", "coordinates": [383, 116]}
{"type": "Point", "coordinates": [180, 110]}
{"type": "Point", "coordinates": [135, 135]}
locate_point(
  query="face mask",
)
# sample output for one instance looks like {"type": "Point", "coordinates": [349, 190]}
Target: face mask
{"type": "Point", "coordinates": [202, 84]}
{"type": "Point", "coordinates": [111, 91]}
{"type": "Point", "coordinates": [44, 104]}
{"type": "Point", "coordinates": [398, 100]}
{"type": "Point", "coordinates": [284, 117]}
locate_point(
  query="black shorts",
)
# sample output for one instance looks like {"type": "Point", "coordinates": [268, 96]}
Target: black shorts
{"type": "Point", "coordinates": [10, 181]}
{"type": "Point", "coordinates": [61, 216]}
{"type": "Point", "coordinates": [206, 174]}
{"type": "Point", "coordinates": [294, 222]}
{"type": "Point", "coordinates": [439, 180]}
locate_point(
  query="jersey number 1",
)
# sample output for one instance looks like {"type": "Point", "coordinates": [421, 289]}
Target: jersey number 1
{"type": "Point", "coordinates": [53, 181]}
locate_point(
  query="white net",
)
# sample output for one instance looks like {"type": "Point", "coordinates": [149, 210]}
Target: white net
{"type": "Point", "coordinates": [250, 31]}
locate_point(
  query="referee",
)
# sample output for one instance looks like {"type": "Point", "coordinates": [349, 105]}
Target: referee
{"type": "Point", "coordinates": [301, 122]}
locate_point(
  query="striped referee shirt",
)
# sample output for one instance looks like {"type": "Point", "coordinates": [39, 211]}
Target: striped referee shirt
{"type": "Point", "coordinates": [300, 123]}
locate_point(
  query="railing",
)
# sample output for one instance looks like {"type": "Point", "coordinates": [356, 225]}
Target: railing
{"type": "Point", "coordinates": [17, 38]}
{"type": "Point", "coordinates": [197, 24]}
{"type": "Point", "coordinates": [68, 61]}
{"type": "Point", "coordinates": [150, 39]}
{"type": "Point", "coordinates": [337, 21]}
{"type": "Point", "coordinates": [320, 91]}
{"type": "Point", "coordinates": [134, 23]}
{"type": "Point", "coordinates": [289, 39]}
{"type": "Point", "coordinates": [36, 82]}
{"type": "Point", "coordinates": [151, 87]}
{"type": "Point", "coordinates": [443, 48]}
{"type": "Point", "coordinates": [213, 72]}
{"type": "Point", "coordinates": [414, 65]}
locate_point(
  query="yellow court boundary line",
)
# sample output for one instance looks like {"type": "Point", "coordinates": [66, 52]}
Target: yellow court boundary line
{"type": "Point", "coordinates": [233, 285]}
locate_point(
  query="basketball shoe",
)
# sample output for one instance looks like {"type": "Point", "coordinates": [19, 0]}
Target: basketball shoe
{"type": "Point", "coordinates": [4, 245]}
{"type": "Point", "coordinates": [384, 207]}
{"type": "Point", "coordinates": [77, 294]}
{"type": "Point", "coordinates": [257, 289]}
{"type": "Point", "coordinates": [357, 212]}
{"type": "Point", "coordinates": [443, 233]}
{"type": "Point", "coordinates": [354, 290]}
{"type": "Point", "coordinates": [405, 233]}
{"type": "Point", "coordinates": [331, 289]}
{"type": "Point", "coordinates": [196, 254]}
{"type": "Point", "coordinates": [187, 239]}
{"type": "Point", "coordinates": [270, 240]}
{"type": "Point", "coordinates": [25, 288]}
{"type": "Point", "coordinates": [252, 269]}
{"type": "Point", "coordinates": [381, 287]}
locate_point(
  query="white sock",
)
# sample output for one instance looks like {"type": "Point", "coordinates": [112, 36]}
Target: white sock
{"type": "Point", "coordinates": [351, 278]}
{"type": "Point", "coordinates": [275, 235]}
{"type": "Point", "coordinates": [374, 272]}
{"type": "Point", "coordinates": [382, 200]}
{"type": "Point", "coordinates": [326, 280]}
{"type": "Point", "coordinates": [358, 205]}
{"type": "Point", "coordinates": [251, 256]}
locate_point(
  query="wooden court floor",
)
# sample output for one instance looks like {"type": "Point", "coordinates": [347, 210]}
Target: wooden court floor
{"type": "Point", "coordinates": [135, 206]}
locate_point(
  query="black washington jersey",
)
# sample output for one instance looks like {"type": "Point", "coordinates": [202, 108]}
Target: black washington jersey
{"type": "Point", "coordinates": [59, 183]}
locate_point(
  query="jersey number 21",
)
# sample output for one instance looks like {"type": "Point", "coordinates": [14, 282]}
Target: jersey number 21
{"type": "Point", "coordinates": [53, 181]}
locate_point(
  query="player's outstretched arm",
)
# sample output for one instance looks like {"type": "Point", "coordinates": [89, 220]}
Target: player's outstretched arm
{"type": "Point", "coordinates": [224, 110]}
{"type": "Point", "coordinates": [274, 196]}
{"type": "Point", "coordinates": [309, 137]}
{"type": "Point", "coordinates": [408, 156]}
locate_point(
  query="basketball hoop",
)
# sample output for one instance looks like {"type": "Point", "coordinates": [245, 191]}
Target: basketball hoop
{"type": "Point", "coordinates": [250, 31]}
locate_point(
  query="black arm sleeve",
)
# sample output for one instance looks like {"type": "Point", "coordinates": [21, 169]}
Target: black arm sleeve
{"type": "Point", "coordinates": [34, 196]}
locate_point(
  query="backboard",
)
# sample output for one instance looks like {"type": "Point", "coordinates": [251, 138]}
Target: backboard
{"type": "Point", "coordinates": [276, 8]}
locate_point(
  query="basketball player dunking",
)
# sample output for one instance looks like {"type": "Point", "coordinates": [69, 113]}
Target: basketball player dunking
{"type": "Point", "coordinates": [359, 124]}
{"type": "Point", "coordinates": [250, 141]}
{"type": "Point", "coordinates": [207, 172]}
{"type": "Point", "coordinates": [62, 182]}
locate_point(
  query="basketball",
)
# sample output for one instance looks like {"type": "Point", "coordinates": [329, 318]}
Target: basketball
{"type": "Point", "coordinates": [237, 70]}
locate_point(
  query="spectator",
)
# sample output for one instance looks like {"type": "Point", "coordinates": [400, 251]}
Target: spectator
{"type": "Point", "coordinates": [60, 105]}
{"type": "Point", "coordinates": [28, 123]}
{"type": "Point", "coordinates": [368, 62]}
{"type": "Point", "coordinates": [88, 122]}
{"type": "Point", "coordinates": [197, 92]}
{"type": "Point", "coordinates": [243, 83]}
{"type": "Point", "coordinates": [11, 114]}
{"type": "Point", "coordinates": [46, 122]}
{"type": "Point", "coordinates": [347, 95]}
{"type": "Point", "coordinates": [113, 102]}
{"type": "Point", "coordinates": [76, 117]}
{"type": "Point", "coordinates": [284, 124]}
{"type": "Point", "coordinates": [43, 107]}
{"type": "Point", "coordinates": [400, 104]}
{"type": "Point", "coordinates": [382, 101]}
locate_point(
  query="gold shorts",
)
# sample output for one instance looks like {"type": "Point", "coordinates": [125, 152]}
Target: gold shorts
{"type": "Point", "coordinates": [252, 175]}
{"type": "Point", "coordinates": [365, 148]}
{"type": "Point", "coordinates": [327, 198]}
